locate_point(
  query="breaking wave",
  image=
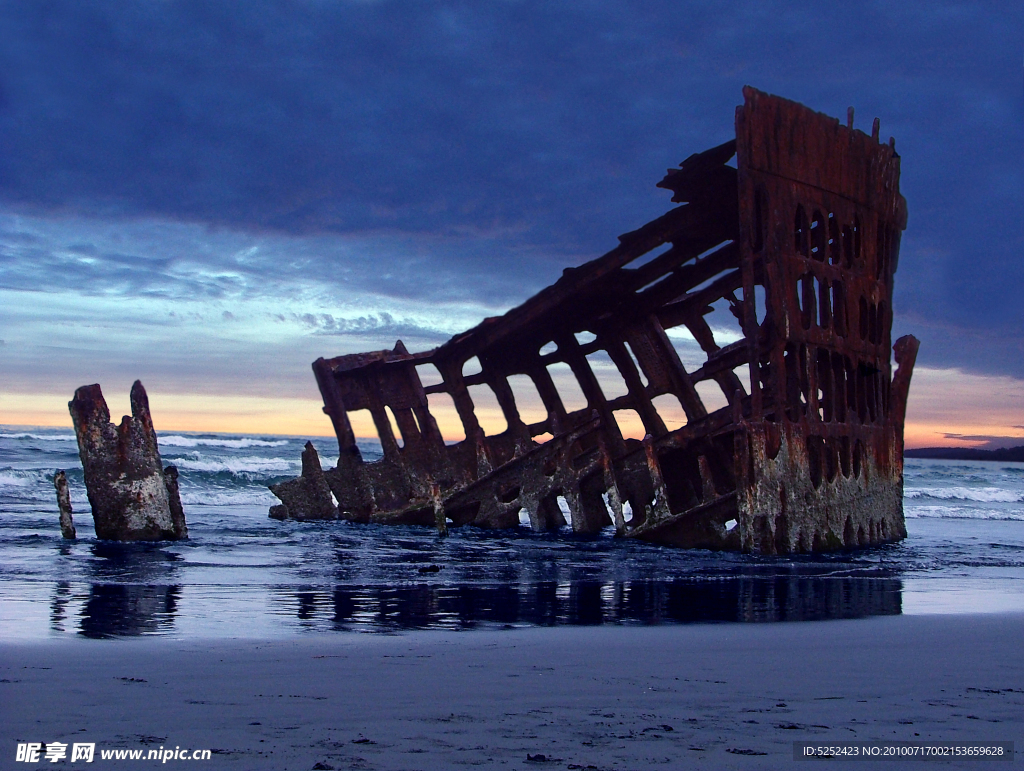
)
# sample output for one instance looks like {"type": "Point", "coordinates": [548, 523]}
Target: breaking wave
{"type": "Point", "coordinates": [253, 496]}
{"type": "Point", "coordinates": [979, 494]}
{"type": "Point", "coordinates": [36, 485]}
{"type": "Point", "coordinates": [12, 478]}
{"type": "Point", "coordinates": [962, 512]}
{"type": "Point", "coordinates": [244, 466]}
{"type": "Point", "coordinates": [175, 440]}
{"type": "Point", "coordinates": [41, 437]}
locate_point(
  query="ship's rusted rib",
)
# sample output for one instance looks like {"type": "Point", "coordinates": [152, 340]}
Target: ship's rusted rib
{"type": "Point", "coordinates": [796, 245]}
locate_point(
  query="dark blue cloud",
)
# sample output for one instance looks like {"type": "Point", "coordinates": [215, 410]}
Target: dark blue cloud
{"type": "Point", "coordinates": [525, 135]}
{"type": "Point", "coordinates": [148, 258]}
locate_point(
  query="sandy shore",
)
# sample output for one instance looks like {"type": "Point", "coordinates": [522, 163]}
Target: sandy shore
{"type": "Point", "coordinates": [603, 697]}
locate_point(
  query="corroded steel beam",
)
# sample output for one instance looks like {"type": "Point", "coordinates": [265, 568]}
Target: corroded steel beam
{"type": "Point", "coordinates": [796, 244]}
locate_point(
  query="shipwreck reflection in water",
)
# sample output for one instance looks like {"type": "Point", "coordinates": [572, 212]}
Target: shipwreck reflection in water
{"type": "Point", "coordinates": [691, 600]}
{"type": "Point", "coordinates": [134, 591]}
{"type": "Point", "coordinates": [124, 590]}
{"type": "Point", "coordinates": [120, 610]}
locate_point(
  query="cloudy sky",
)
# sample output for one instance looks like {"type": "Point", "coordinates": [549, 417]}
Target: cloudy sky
{"type": "Point", "coordinates": [210, 195]}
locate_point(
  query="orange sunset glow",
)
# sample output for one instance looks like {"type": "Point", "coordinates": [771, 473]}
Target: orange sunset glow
{"type": "Point", "coordinates": [947, 408]}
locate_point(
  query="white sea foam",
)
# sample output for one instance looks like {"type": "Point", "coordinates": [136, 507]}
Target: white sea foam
{"type": "Point", "coordinates": [962, 512]}
{"type": "Point", "coordinates": [9, 478]}
{"type": "Point", "coordinates": [249, 464]}
{"type": "Point", "coordinates": [34, 485]}
{"type": "Point", "coordinates": [259, 496]}
{"type": "Point", "coordinates": [41, 437]}
{"type": "Point", "coordinates": [174, 440]}
{"type": "Point", "coordinates": [979, 494]}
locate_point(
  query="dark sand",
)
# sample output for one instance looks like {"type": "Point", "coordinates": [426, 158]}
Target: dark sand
{"type": "Point", "coordinates": [608, 697]}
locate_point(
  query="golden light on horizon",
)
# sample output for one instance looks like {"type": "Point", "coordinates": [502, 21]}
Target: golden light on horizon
{"type": "Point", "coordinates": [182, 412]}
{"type": "Point", "coordinates": [947, 408]}
{"type": "Point", "coordinates": [949, 401]}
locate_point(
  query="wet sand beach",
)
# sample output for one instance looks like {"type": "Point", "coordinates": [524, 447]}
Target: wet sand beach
{"type": "Point", "coordinates": [625, 697]}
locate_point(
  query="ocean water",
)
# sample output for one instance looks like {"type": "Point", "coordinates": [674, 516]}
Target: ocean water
{"type": "Point", "coordinates": [241, 574]}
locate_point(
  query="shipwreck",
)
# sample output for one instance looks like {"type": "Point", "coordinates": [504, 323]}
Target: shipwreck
{"type": "Point", "coordinates": [797, 447]}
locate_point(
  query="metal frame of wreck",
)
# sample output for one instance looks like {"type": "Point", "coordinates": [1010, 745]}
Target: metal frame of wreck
{"type": "Point", "coordinates": [801, 239]}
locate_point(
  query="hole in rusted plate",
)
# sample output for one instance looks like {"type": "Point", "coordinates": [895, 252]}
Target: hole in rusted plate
{"type": "Point", "coordinates": [394, 428]}
{"type": "Point", "coordinates": [818, 237]}
{"type": "Point", "coordinates": [711, 395]}
{"type": "Point", "coordinates": [608, 376]}
{"type": "Point", "coordinates": [527, 398]}
{"type": "Point", "coordinates": [563, 506]}
{"type": "Point", "coordinates": [689, 352]}
{"type": "Point", "coordinates": [429, 375]}
{"type": "Point", "coordinates": [568, 386]}
{"type": "Point", "coordinates": [708, 252]}
{"type": "Point", "coordinates": [636, 363]}
{"type": "Point", "coordinates": [835, 253]}
{"type": "Point", "coordinates": [362, 424]}
{"type": "Point", "coordinates": [655, 281]}
{"type": "Point", "coordinates": [742, 374]}
{"type": "Point", "coordinates": [710, 281]}
{"type": "Point", "coordinates": [488, 411]}
{"type": "Point", "coordinates": [760, 301]}
{"type": "Point", "coordinates": [671, 411]}
{"type": "Point", "coordinates": [627, 512]}
{"type": "Point", "coordinates": [805, 298]}
{"type": "Point", "coordinates": [723, 322]}
{"type": "Point", "coordinates": [650, 256]}
{"type": "Point", "coordinates": [824, 304]}
{"type": "Point", "coordinates": [629, 423]}
{"type": "Point", "coordinates": [442, 407]}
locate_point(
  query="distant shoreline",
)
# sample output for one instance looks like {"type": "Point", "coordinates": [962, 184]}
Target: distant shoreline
{"type": "Point", "coordinates": [1011, 454]}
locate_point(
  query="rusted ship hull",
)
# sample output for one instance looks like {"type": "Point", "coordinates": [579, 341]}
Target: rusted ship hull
{"type": "Point", "coordinates": [796, 245]}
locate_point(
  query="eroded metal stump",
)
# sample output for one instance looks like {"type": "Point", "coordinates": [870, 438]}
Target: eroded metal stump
{"type": "Point", "coordinates": [133, 497]}
{"type": "Point", "coordinates": [67, 522]}
{"type": "Point", "coordinates": [308, 496]}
